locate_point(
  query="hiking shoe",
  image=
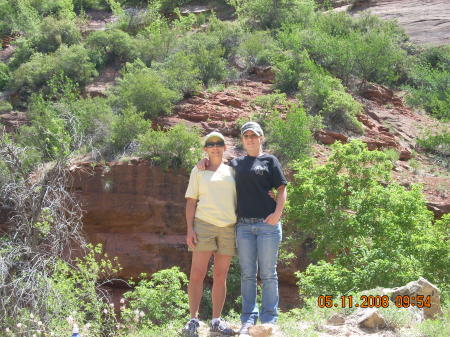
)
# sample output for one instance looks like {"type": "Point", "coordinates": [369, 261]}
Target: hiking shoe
{"type": "Point", "coordinates": [221, 328]}
{"type": "Point", "coordinates": [191, 328]}
{"type": "Point", "coordinates": [244, 329]}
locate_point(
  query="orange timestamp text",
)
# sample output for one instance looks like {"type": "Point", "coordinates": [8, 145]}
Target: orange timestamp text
{"type": "Point", "coordinates": [374, 301]}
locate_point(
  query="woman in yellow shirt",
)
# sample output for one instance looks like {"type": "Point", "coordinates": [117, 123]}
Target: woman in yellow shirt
{"type": "Point", "coordinates": [210, 218]}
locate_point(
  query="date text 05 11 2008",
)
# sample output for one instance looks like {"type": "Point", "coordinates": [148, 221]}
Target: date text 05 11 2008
{"type": "Point", "coordinates": [370, 301]}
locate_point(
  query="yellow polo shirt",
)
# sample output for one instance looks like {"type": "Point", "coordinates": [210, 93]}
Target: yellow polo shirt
{"type": "Point", "coordinates": [216, 195]}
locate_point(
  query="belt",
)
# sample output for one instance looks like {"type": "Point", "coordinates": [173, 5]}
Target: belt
{"type": "Point", "coordinates": [250, 220]}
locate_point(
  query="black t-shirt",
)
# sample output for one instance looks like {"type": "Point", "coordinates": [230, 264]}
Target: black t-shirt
{"type": "Point", "coordinates": [255, 176]}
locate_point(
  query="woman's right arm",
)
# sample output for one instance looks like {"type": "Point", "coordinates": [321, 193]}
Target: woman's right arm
{"type": "Point", "coordinates": [191, 237]}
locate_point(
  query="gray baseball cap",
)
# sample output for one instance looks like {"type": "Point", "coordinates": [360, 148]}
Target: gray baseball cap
{"type": "Point", "coordinates": [252, 126]}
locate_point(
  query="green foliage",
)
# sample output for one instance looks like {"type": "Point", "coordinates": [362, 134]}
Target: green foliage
{"type": "Point", "coordinates": [291, 138]}
{"type": "Point", "coordinates": [348, 206]}
{"type": "Point", "coordinates": [52, 33]}
{"type": "Point", "coordinates": [17, 16]}
{"type": "Point", "coordinates": [365, 48]}
{"type": "Point", "coordinates": [72, 61]}
{"type": "Point", "coordinates": [437, 57]}
{"type": "Point", "coordinates": [177, 147]}
{"type": "Point", "coordinates": [274, 13]}
{"type": "Point", "coordinates": [144, 88]}
{"type": "Point", "coordinates": [430, 89]}
{"type": "Point", "coordinates": [207, 54]}
{"type": "Point", "coordinates": [5, 106]}
{"type": "Point", "coordinates": [437, 143]}
{"type": "Point", "coordinates": [47, 132]}
{"type": "Point", "coordinates": [228, 33]}
{"type": "Point", "coordinates": [84, 5]}
{"type": "Point", "coordinates": [22, 53]}
{"type": "Point", "coordinates": [76, 292]}
{"type": "Point", "coordinates": [322, 94]}
{"type": "Point", "coordinates": [111, 45]}
{"type": "Point", "coordinates": [168, 6]}
{"type": "Point", "coordinates": [4, 75]}
{"type": "Point", "coordinates": [59, 8]}
{"type": "Point", "coordinates": [157, 301]}
{"type": "Point", "coordinates": [258, 48]}
{"type": "Point", "coordinates": [181, 74]}
{"type": "Point", "coordinates": [127, 127]}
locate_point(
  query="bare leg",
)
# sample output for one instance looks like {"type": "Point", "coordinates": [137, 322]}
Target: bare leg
{"type": "Point", "coordinates": [219, 289]}
{"type": "Point", "coordinates": [199, 268]}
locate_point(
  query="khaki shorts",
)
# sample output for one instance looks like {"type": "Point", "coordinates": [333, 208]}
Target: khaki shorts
{"type": "Point", "coordinates": [220, 240]}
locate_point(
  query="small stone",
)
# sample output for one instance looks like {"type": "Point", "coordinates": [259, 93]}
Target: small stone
{"type": "Point", "coordinates": [336, 319]}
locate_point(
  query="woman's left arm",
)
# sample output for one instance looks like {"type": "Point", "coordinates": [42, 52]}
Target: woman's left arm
{"type": "Point", "coordinates": [274, 218]}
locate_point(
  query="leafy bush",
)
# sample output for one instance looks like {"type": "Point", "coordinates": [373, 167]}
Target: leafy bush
{"type": "Point", "coordinates": [144, 88]}
{"type": "Point", "coordinates": [111, 45]}
{"type": "Point", "coordinates": [5, 106]}
{"type": "Point", "coordinates": [72, 61]}
{"type": "Point", "coordinates": [438, 143]}
{"type": "Point", "coordinates": [18, 17]}
{"type": "Point", "coordinates": [228, 33]}
{"type": "Point", "coordinates": [340, 110]}
{"type": "Point", "coordinates": [4, 75]}
{"type": "Point", "coordinates": [177, 147]}
{"type": "Point", "coordinates": [168, 6]}
{"type": "Point", "coordinates": [52, 33]}
{"type": "Point", "coordinates": [291, 138]}
{"type": "Point", "coordinates": [258, 48]}
{"type": "Point", "coordinates": [181, 74]}
{"type": "Point", "coordinates": [76, 290]}
{"type": "Point", "coordinates": [84, 5]}
{"type": "Point", "coordinates": [273, 14]}
{"type": "Point", "coordinates": [22, 53]}
{"type": "Point", "coordinates": [127, 126]}
{"type": "Point", "coordinates": [348, 206]}
{"type": "Point", "coordinates": [430, 88]}
{"type": "Point", "coordinates": [60, 8]}
{"type": "Point", "coordinates": [47, 132]}
{"type": "Point", "coordinates": [207, 54]}
{"type": "Point", "coordinates": [157, 301]}
{"type": "Point", "coordinates": [437, 57]}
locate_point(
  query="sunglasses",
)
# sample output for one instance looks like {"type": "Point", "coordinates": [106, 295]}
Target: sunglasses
{"type": "Point", "coordinates": [212, 144]}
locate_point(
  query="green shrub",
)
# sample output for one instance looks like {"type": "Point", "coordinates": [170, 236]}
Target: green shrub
{"type": "Point", "coordinates": [177, 147]}
{"type": "Point", "coordinates": [437, 57]}
{"type": "Point", "coordinates": [18, 17]}
{"type": "Point", "coordinates": [258, 48]}
{"type": "Point", "coordinates": [111, 45]}
{"type": "Point", "coordinates": [430, 89]}
{"type": "Point", "coordinates": [161, 300]}
{"type": "Point", "coordinates": [84, 5]}
{"type": "Point", "coordinates": [181, 74]}
{"type": "Point", "coordinates": [4, 75]}
{"type": "Point", "coordinates": [22, 53]}
{"type": "Point", "coordinates": [340, 110]}
{"type": "Point", "coordinates": [270, 101]}
{"type": "Point", "coordinates": [438, 143]}
{"type": "Point", "coordinates": [72, 61]}
{"type": "Point", "coordinates": [5, 106]}
{"type": "Point", "coordinates": [60, 8]}
{"type": "Point", "coordinates": [228, 33]}
{"type": "Point", "coordinates": [291, 138]}
{"type": "Point", "coordinates": [127, 127]}
{"type": "Point", "coordinates": [76, 294]}
{"type": "Point", "coordinates": [47, 132]}
{"type": "Point", "coordinates": [92, 123]}
{"type": "Point", "coordinates": [143, 87]}
{"type": "Point", "coordinates": [207, 54]}
{"type": "Point", "coordinates": [52, 33]}
{"type": "Point", "coordinates": [168, 6]}
{"type": "Point", "coordinates": [273, 14]}
{"type": "Point", "coordinates": [349, 207]}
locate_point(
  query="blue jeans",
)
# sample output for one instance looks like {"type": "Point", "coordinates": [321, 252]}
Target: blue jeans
{"type": "Point", "coordinates": [257, 246]}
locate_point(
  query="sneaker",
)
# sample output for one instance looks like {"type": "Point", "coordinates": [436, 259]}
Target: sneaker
{"type": "Point", "coordinates": [244, 329]}
{"type": "Point", "coordinates": [221, 328]}
{"type": "Point", "coordinates": [191, 328]}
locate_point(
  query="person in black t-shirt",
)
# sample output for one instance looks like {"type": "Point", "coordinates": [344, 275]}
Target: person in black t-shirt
{"type": "Point", "coordinates": [258, 230]}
